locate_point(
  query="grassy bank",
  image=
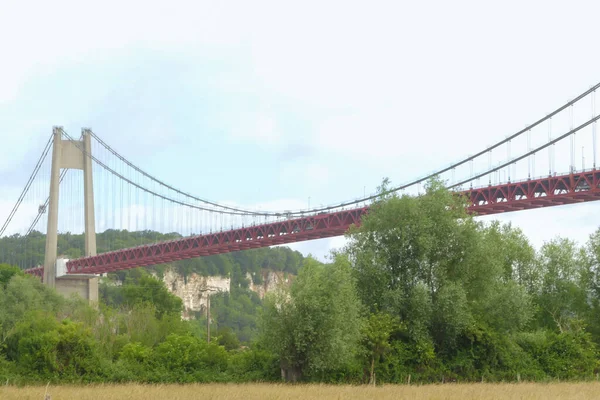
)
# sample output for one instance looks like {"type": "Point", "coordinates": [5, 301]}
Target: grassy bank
{"type": "Point", "coordinates": [272, 391]}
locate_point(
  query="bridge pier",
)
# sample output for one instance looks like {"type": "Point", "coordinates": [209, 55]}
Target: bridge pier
{"type": "Point", "coordinates": [68, 154]}
{"type": "Point", "coordinates": [84, 286]}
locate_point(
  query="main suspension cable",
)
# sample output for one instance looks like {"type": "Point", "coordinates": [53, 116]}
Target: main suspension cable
{"type": "Point", "coordinates": [117, 174]}
{"type": "Point", "coordinates": [239, 211]}
{"type": "Point", "coordinates": [44, 206]}
{"type": "Point", "coordinates": [389, 191]}
{"type": "Point", "coordinates": [27, 185]}
{"type": "Point", "coordinates": [514, 160]}
{"type": "Point", "coordinates": [147, 175]}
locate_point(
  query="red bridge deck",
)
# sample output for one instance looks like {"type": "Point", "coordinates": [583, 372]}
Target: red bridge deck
{"type": "Point", "coordinates": [294, 230]}
{"type": "Point", "coordinates": [516, 196]}
{"type": "Point", "coordinates": [536, 193]}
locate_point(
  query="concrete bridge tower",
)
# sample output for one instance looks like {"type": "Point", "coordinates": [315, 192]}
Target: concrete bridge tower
{"type": "Point", "coordinates": [68, 154]}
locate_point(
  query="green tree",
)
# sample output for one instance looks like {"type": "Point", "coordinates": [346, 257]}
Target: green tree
{"type": "Point", "coordinates": [413, 255]}
{"type": "Point", "coordinates": [590, 283]}
{"type": "Point", "coordinates": [40, 344]}
{"type": "Point", "coordinates": [376, 336]}
{"type": "Point", "coordinates": [315, 325]}
{"type": "Point", "coordinates": [187, 358]}
{"type": "Point", "coordinates": [23, 294]}
{"type": "Point", "coordinates": [7, 272]}
{"type": "Point", "coordinates": [509, 246]}
{"type": "Point", "coordinates": [561, 296]}
{"type": "Point", "coordinates": [446, 276]}
{"type": "Point", "coordinates": [227, 338]}
{"type": "Point", "coordinates": [452, 315]}
{"type": "Point", "coordinates": [406, 241]}
{"type": "Point", "coordinates": [143, 289]}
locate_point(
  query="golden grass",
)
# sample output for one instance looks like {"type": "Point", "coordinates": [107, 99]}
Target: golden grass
{"type": "Point", "coordinates": [273, 391]}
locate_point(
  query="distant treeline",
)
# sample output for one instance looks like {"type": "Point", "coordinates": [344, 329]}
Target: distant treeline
{"type": "Point", "coordinates": [27, 251]}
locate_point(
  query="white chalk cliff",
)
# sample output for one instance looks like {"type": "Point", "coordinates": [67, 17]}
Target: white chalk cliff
{"type": "Point", "coordinates": [194, 289]}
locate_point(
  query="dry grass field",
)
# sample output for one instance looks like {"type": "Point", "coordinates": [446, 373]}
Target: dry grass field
{"type": "Point", "coordinates": [272, 391]}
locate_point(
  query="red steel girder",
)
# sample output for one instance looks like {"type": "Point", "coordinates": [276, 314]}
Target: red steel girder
{"type": "Point", "coordinates": [293, 230]}
{"type": "Point", "coordinates": [36, 271]}
{"type": "Point", "coordinates": [535, 193]}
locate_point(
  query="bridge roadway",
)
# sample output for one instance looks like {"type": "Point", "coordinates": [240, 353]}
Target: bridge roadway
{"type": "Point", "coordinates": [514, 196]}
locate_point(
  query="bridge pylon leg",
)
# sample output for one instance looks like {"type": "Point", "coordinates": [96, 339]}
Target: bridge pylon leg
{"type": "Point", "coordinates": [68, 154]}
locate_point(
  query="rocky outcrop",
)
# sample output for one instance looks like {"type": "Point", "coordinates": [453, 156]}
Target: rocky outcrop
{"type": "Point", "coordinates": [270, 280]}
{"type": "Point", "coordinates": [194, 289]}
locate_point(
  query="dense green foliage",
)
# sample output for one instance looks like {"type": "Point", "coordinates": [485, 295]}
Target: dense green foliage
{"type": "Point", "coordinates": [314, 327]}
{"type": "Point", "coordinates": [45, 337]}
{"type": "Point", "coordinates": [471, 301]}
{"type": "Point", "coordinates": [237, 310]}
{"type": "Point", "coordinates": [422, 290]}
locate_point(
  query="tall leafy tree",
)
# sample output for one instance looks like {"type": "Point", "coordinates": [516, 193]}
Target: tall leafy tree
{"type": "Point", "coordinates": [376, 339]}
{"type": "Point", "coordinates": [411, 255]}
{"type": "Point", "coordinates": [427, 261]}
{"type": "Point", "coordinates": [561, 297]}
{"type": "Point", "coordinates": [591, 282]}
{"type": "Point", "coordinates": [405, 241]}
{"type": "Point", "coordinates": [7, 272]}
{"type": "Point", "coordinates": [314, 326]}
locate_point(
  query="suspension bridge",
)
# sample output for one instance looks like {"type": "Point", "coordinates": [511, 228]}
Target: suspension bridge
{"type": "Point", "coordinates": [83, 185]}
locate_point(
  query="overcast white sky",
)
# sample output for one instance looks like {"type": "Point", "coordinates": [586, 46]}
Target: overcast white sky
{"type": "Point", "coordinates": [270, 103]}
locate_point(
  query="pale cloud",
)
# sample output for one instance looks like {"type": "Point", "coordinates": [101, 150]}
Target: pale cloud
{"type": "Point", "coordinates": [260, 128]}
{"type": "Point", "coordinates": [11, 87]}
{"type": "Point", "coordinates": [306, 173]}
{"type": "Point", "coordinates": [25, 149]}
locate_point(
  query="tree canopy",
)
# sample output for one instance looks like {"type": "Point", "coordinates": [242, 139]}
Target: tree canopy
{"type": "Point", "coordinates": [314, 326]}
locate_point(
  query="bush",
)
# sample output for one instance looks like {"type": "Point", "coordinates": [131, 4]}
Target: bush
{"type": "Point", "coordinates": [567, 355]}
{"type": "Point", "coordinates": [188, 359]}
{"type": "Point", "coordinates": [41, 347]}
{"type": "Point", "coordinates": [254, 365]}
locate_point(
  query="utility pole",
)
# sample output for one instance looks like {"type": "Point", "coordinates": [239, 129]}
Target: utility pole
{"type": "Point", "coordinates": [208, 289]}
{"type": "Point", "coordinates": [208, 317]}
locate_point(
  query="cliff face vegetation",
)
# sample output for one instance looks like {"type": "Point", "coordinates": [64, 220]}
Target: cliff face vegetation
{"type": "Point", "coordinates": [194, 289]}
{"type": "Point", "coordinates": [236, 283]}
